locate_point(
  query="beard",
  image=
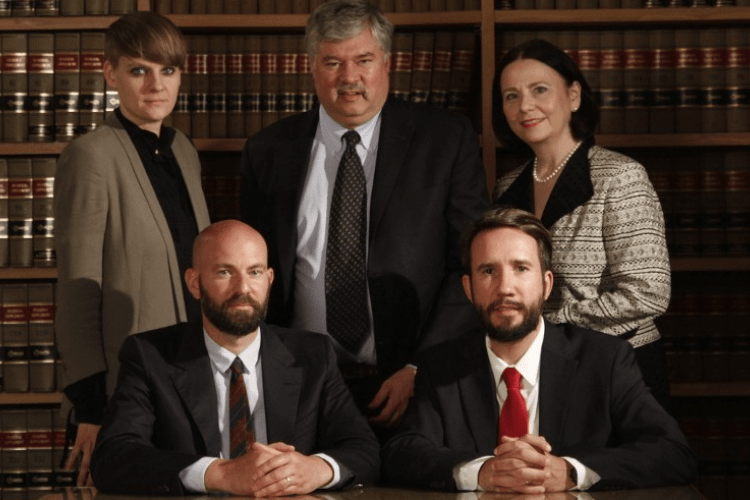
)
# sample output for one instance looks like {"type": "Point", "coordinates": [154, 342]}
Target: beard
{"type": "Point", "coordinates": [234, 322]}
{"type": "Point", "coordinates": [505, 332]}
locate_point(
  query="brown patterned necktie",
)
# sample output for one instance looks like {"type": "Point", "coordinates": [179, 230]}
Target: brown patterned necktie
{"type": "Point", "coordinates": [514, 418]}
{"type": "Point", "coordinates": [242, 435]}
{"type": "Point", "coordinates": [347, 316]}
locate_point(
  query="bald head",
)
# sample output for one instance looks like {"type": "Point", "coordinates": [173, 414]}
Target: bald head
{"type": "Point", "coordinates": [225, 233]}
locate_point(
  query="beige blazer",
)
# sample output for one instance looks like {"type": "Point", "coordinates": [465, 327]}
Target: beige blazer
{"type": "Point", "coordinates": [117, 266]}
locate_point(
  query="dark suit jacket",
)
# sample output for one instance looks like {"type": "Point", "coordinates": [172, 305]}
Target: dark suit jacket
{"type": "Point", "coordinates": [428, 184]}
{"type": "Point", "coordinates": [593, 406]}
{"type": "Point", "coordinates": [163, 415]}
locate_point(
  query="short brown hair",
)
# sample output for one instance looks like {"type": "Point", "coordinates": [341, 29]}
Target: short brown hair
{"type": "Point", "coordinates": [146, 35]}
{"type": "Point", "coordinates": [514, 218]}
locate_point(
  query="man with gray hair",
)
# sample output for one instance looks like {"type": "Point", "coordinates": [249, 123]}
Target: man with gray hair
{"type": "Point", "coordinates": [361, 200]}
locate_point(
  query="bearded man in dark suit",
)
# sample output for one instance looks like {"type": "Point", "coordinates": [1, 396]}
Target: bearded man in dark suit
{"type": "Point", "coordinates": [424, 181]}
{"type": "Point", "coordinates": [170, 426]}
{"type": "Point", "coordinates": [581, 416]}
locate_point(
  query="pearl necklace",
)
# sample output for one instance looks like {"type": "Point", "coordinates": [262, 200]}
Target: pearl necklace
{"type": "Point", "coordinates": [554, 172]}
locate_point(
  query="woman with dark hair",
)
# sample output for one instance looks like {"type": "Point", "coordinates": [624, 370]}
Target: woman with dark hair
{"type": "Point", "coordinates": [610, 258]}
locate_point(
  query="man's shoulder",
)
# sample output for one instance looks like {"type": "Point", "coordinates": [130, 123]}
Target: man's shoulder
{"type": "Point", "coordinates": [593, 344]}
{"type": "Point", "coordinates": [166, 340]}
{"type": "Point", "coordinates": [424, 113]}
{"type": "Point", "coordinates": [296, 340]}
{"type": "Point", "coordinates": [289, 128]}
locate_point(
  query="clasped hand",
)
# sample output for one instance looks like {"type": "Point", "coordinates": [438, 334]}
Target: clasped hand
{"type": "Point", "coordinates": [525, 465]}
{"type": "Point", "coordinates": [269, 471]}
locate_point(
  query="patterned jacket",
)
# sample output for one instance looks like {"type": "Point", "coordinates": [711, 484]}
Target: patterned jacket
{"type": "Point", "coordinates": [610, 259]}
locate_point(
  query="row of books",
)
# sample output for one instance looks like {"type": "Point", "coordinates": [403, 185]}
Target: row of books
{"type": "Point", "coordinates": [25, 8]}
{"type": "Point", "coordinates": [221, 182]}
{"type": "Point", "coordinates": [28, 354]}
{"type": "Point", "coordinates": [660, 80]}
{"type": "Point", "coordinates": [302, 6]}
{"type": "Point", "coordinates": [32, 447]}
{"type": "Point", "coordinates": [614, 4]}
{"type": "Point", "coordinates": [711, 359]}
{"type": "Point", "coordinates": [27, 212]}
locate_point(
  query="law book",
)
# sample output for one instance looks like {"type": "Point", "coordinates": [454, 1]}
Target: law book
{"type": "Point", "coordinates": [249, 6]}
{"type": "Point", "coordinates": [199, 86]}
{"type": "Point", "coordinates": [472, 4]}
{"type": "Point", "coordinates": [4, 256]}
{"type": "Point", "coordinates": [180, 6]}
{"type": "Point", "coordinates": [421, 66]}
{"type": "Point", "coordinates": [235, 88]}
{"type": "Point", "coordinates": [737, 202]}
{"type": "Point", "coordinates": [67, 84]}
{"type": "Point", "coordinates": [402, 5]}
{"type": "Point", "coordinates": [305, 87]}
{"type": "Point", "coordinates": [62, 477]}
{"type": "Point", "coordinates": [217, 85]}
{"type": "Point", "coordinates": [215, 7]}
{"type": "Point", "coordinates": [660, 175]}
{"type": "Point", "coordinates": [119, 7]}
{"type": "Point", "coordinates": [611, 82]}
{"type": "Point", "coordinates": [96, 7]}
{"type": "Point", "coordinates": [384, 5]}
{"type": "Point", "coordinates": [181, 114]}
{"type": "Point", "coordinates": [401, 64]}
{"type": "Point", "coordinates": [198, 6]}
{"type": "Point", "coordinates": [464, 46]}
{"type": "Point", "coordinates": [21, 8]}
{"type": "Point", "coordinates": [266, 7]}
{"type": "Point", "coordinates": [738, 79]}
{"type": "Point", "coordinates": [13, 446]}
{"type": "Point", "coordinates": [589, 58]}
{"type": "Point", "coordinates": [20, 219]}
{"type": "Point", "coordinates": [163, 6]}
{"type": "Point", "coordinates": [232, 6]}
{"type": "Point", "coordinates": [686, 212]}
{"type": "Point", "coordinates": [14, 78]}
{"type": "Point", "coordinates": [661, 85]}
{"type": "Point", "coordinates": [42, 211]}
{"type": "Point", "coordinates": [269, 79]}
{"type": "Point", "coordinates": [711, 224]}
{"type": "Point", "coordinates": [687, 81]}
{"type": "Point", "coordinates": [283, 6]}
{"type": "Point", "coordinates": [420, 5]}
{"type": "Point", "coordinates": [42, 352]}
{"type": "Point", "coordinates": [39, 450]}
{"type": "Point", "coordinates": [454, 5]}
{"type": "Point", "coordinates": [287, 79]}
{"type": "Point", "coordinates": [15, 337]}
{"type": "Point", "coordinates": [47, 8]}
{"type": "Point", "coordinates": [712, 80]}
{"type": "Point", "coordinates": [225, 170]}
{"type": "Point", "coordinates": [251, 71]}
{"type": "Point", "coordinates": [91, 84]}
{"type": "Point", "coordinates": [71, 7]}
{"type": "Point", "coordinates": [441, 69]}
{"type": "Point", "coordinates": [41, 64]}
{"type": "Point", "coordinates": [636, 82]}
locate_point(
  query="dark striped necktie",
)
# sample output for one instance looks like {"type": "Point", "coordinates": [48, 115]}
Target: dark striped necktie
{"type": "Point", "coordinates": [242, 435]}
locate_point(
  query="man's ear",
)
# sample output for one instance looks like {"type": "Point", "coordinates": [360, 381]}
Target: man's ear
{"type": "Point", "coordinates": [549, 281]}
{"type": "Point", "coordinates": [192, 279]}
{"type": "Point", "coordinates": [466, 282]}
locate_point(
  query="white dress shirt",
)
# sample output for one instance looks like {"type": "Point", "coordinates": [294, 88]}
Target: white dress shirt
{"type": "Point", "coordinates": [312, 226]}
{"type": "Point", "coordinates": [193, 476]}
{"type": "Point", "coordinates": [466, 474]}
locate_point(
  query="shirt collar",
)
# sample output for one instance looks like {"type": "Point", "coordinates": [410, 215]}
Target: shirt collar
{"type": "Point", "coordinates": [222, 358]}
{"type": "Point", "coordinates": [333, 132]}
{"type": "Point", "coordinates": [161, 143]}
{"type": "Point", "coordinates": [527, 366]}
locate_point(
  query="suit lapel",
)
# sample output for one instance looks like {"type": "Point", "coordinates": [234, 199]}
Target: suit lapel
{"type": "Point", "coordinates": [558, 366]}
{"type": "Point", "coordinates": [193, 381]}
{"type": "Point", "coordinates": [282, 383]}
{"type": "Point", "coordinates": [573, 188]}
{"type": "Point", "coordinates": [477, 392]}
{"type": "Point", "coordinates": [396, 132]}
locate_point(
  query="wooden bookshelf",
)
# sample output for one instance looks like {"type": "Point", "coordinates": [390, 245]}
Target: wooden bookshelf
{"type": "Point", "coordinates": [30, 398]}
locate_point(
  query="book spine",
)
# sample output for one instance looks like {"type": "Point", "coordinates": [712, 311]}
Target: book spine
{"type": "Point", "coordinates": [420, 5]}
{"type": "Point", "coordinates": [401, 64]}
{"type": "Point", "coordinates": [42, 211]}
{"type": "Point", "coordinates": [91, 84]}
{"type": "Point", "coordinates": [686, 213]}
{"type": "Point", "coordinates": [22, 8]}
{"type": "Point", "coordinates": [217, 86]}
{"type": "Point", "coordinates": [635, 82]}
{"type": "Point", "coordinates": [41, 337]}
{"type": "Point", "coordinates": [305, 87]}
{"type": "Point", "coordinates": [249, 7]}
{"type": "Point", "coordinates": [198, 6]}
{"type": "Point", "coordinates": [47, 8]}
{"type": "Point", "coordinates": [738, 80]}
{"type": "Point", "coordinates": [737, 189]}
{"type": "Point", "coordinates": [441, 69]}
{"type": "Point", "coordinates": [712, 80]}
{"type": "Point", "coordinates": [71, 7]}
{"type": "Point", "coordinates": [67, 83]}
{"type": "Point", "coordinates": [199, 86]}
{"type": "Point", "coordinates": [385, 5]}
{"type": "Point", "coordinates": [402, 6]}
{"type": "Point", "coordinates": [180, 6]}
{"type": "Point", "coordinates": [4, 255]}
{"type": "Point", "coordinates": [19, 212]}
{"type": "Point", "coordinates": [711, 224]}
{"type": "Point", "coordinates": [235, 88]}
{"type": "Point", "coordinates": [13, 446]}
{"type": "Point", "coordinates": [461, 71]}
{"type": "Point", "coordinates": [662, 90]}
{"type": "Point", "coordinates": [687, 81]}
{"type": "Point", "coordinates": [119, 7]}
{"type": "Point", "coordinates": [14, 77]}
{"type": "Point", "coordinates": [287, 68]}
{"type": "Point", "coordinates": [182, 111]}
{"type": "Point", "coordinates": [41, 66]}
{"type": "Point", "coordinates": [96, 7]}
{"type": "Point", "coordinates": [39, 450]}
{"type": "Point", "coordinates": [611, 88]}
{"type": "Point", "coordinates": [62, 477]}
{"type": "Point", "coordinates": [283, 6]}
{"type": "Point", "coordinates": [266, 7]}
{"type": "Point", "coordinates": [421, 69]}
{"type": "Point", "coordinates": [251, 71]}
{"type": "Point", "coordinates": [16, 338]}
{"type": "Point", "coordinates": [215, 8]}
{"type": "Point", "coordinates": [163, 6]}
{"type": "Point", "coordinates": [269, 79]}
{"type": "Point", "coordinates": [589, 59]}
{"type": "Point", "coordinates": [232, 7]}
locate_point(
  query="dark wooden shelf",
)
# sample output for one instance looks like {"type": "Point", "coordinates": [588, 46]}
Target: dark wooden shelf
{"type": "Point", "coordinates": [711, 389]}
{"type": "Point", "coordinates": [30, 398]}
{"type": "Point", "coordinates": [28, 273]}
{"type": "Point", "coordinates": [622, 17]}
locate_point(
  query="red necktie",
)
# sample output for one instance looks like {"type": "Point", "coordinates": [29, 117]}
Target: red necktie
{"type": "Point", "coordinates": [241, 435]}
{"type": "Point", "coordinates": [514, 419]}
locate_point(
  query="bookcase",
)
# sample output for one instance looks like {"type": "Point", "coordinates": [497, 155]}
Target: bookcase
{"type": "Point", "coordinates": [701, 280]}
